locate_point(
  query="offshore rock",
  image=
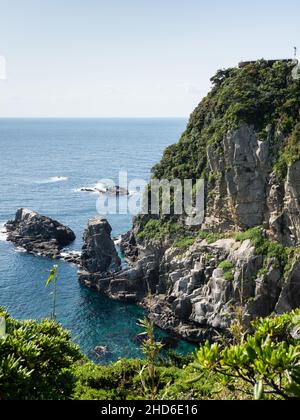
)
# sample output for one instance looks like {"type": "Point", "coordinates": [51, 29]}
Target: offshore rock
{"type": "Point", "coordinates": [39, 235]}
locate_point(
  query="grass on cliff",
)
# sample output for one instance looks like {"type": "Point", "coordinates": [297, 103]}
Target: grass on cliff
{"type": "Point", "coordinates": [228, 268]}
{"type": "Point", "coordinates": [159, 230]}
{"type": "Point", "coordinates": [265, 247]}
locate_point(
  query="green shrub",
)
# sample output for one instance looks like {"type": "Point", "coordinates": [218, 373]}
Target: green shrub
{"type": "Point", "coordinates": [228, 269]}
{"type": "Point", "coordinates": [36, 361]}
{"type": "Point", "coordinates": [118, 381]}
{"type": "Point", "coordinates": [159, 230]}
{"type": "Point", "coordinates": [268, 359]}
{"type": "Point", "coordinates": [226, 265]}
{"type": "Point", "coordinates": [263, 246]}
{"type": "Point", "coordinates": [184, 243]}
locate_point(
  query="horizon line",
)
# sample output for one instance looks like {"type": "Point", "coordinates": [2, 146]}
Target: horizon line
{"type": "Point", "coordinates": [90, 118]}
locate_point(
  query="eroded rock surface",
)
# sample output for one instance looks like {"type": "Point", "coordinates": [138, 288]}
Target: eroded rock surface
{"type": "Point", "coordinates": [99, 254]}
{"type": "Point", "coordinates": [191, 292]}
{"type": "Point", "coordinates": [39, 234]}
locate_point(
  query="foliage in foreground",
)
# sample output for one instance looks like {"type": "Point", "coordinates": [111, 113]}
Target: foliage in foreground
{"type": "Point", "coordinates": [122, 381]}
{"type": "Point", "coordinates": [268, 360]}
{"type": "Point", "coordinates": [36, 361]}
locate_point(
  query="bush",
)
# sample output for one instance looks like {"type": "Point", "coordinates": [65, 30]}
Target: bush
{"type": "Point", "coordinates": [263, 246]}
{"type": "Point", "coordinates": [184, 243]}
{"type": "Point", "coordinates": [268, 360]}
{"type": "Point", "coordinates": [228, 269]}
{"type": "Point", "coordinates": [118, 381]}
{"type": "Point", "coordinates": [159, 230]}
{"type": "Point", "coordinates": [36, 361]}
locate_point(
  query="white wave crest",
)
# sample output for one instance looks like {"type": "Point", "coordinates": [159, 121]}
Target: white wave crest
{"type": "Point", "coordinates": [20, 250]}
{"type": "Point", "coordinates": [118, 240]}
{"type": "Point", "coordinates": [53, 179]}
{"type": "Point", "coordinates": [3, 232]}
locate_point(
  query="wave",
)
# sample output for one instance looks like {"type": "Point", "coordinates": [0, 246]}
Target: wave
{"type": "Point", "coordinates": [67, 253]}
{"type": "Point", "coordinates": [99, 187]}
{"type": "Point", "coordinates": [53, 179]}
{"type": "Point", "coordinates": [20, 250]}
{"type": "Point", "coordinates": [3, 232]}
{"type": "Point", "coordinates": [118, 240]}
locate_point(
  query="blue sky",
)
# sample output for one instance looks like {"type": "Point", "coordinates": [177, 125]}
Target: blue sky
{"type": "Point", "coordinates": [129, 58]}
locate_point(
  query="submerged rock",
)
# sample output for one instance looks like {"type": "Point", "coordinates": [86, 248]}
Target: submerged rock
{"type": "Point", "coordinates": [38, 234]}
{"type": "Point", "coordinates": [101, 351]}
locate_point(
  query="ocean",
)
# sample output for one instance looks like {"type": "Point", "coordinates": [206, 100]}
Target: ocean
{"type": "Point", "coordinates": [43, 165]}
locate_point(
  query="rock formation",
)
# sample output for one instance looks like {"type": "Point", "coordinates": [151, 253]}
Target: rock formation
{"type": "Point", "coordinates": [39, 234]}
{"type": "Point", "coordinates": [108, 190]}
{"type": "Point", "coordinates": [99, 253]}
{"type": "Point", "coordinates": [244, 141]}
{"type": "Point", "coordinates": [100, 261]}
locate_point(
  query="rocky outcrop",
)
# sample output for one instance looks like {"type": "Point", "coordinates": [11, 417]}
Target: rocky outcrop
{"type": "Point", "coordinates": [107, 190]}
{"type": "Point", "coordinates": [99, 254]}
{"type": "Point", "coordinates": [243, 141]}
{"type": "Point", "coordinates": [195, 293]}
{"type": "Point", "coordinates": [102, 267]}
{"type": "Point", "coordinates": [39, 234]}
{"type": "Point", "coordinates": [100, 261]}
{"type": "Point", "coordinates": [128, 247]}
{"type": "Point", "coordinates": [191, 293]}
{"type": "Point", "coordinates": [246, 192]}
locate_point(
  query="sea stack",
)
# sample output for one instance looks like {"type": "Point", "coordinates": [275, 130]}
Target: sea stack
{"type": "Point", "coordinates": [99, 254]}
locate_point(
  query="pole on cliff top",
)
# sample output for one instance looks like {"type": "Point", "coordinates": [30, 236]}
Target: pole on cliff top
{"type": "Point", "coordinates": [295, 52]}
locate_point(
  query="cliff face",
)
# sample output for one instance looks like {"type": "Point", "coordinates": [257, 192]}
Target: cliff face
{"type": "Point", "coordinates": [244, 141]}
{"type": "Point", "coordinates": [247, 192]}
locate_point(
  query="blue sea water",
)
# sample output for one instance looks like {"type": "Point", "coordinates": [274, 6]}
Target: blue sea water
{"type": "Point", "coordinates": [43, 162]}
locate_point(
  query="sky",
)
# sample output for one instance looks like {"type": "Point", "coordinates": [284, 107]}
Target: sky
{"type": "Point", "coordinates": [131, 58]}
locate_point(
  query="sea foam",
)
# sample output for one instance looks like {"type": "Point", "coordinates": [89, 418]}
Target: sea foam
{"type": "Point", "coordinates": [3, 232]}
{"type": "Point", "coordinates": [53, 179]}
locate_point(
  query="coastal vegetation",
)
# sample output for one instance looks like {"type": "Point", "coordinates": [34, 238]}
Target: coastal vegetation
{"type": "Point", "coordinates": [40, 362]}
{"type": "Point", "coordinates": [260, 95]}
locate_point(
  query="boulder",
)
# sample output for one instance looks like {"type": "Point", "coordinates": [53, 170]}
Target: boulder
{"type": "Point", "coordinates": [38, 234]}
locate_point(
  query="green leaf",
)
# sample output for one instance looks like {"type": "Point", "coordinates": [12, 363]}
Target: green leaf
{"type": "Point", "coordinates": [52, 275]}
{"type": "Point", "coordinates": [258, 390]}
{"type": "Point", "coordinates": [2, 327]}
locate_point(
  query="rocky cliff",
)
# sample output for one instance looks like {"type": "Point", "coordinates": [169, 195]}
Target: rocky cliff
{"type": "Point", "coordinates": [243, 140]}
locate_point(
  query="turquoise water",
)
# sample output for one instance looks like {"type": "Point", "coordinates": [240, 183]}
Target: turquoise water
{"type": "Point", "coordinates": [42, 165]}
